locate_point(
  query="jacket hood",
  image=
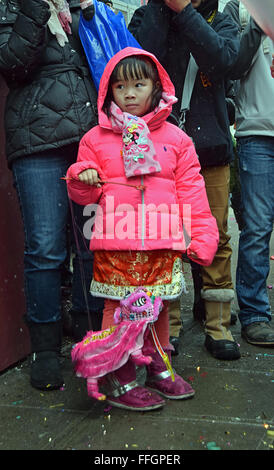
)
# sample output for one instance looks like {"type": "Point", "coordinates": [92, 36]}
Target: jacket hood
{"type": "Point", "coordinates": [167, 85]}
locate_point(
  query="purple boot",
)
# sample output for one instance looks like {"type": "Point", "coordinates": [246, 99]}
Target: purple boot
{"type": "Point", "coordinates": [123, 391]}
{"type": "Point", "coordinates": [159, 380]}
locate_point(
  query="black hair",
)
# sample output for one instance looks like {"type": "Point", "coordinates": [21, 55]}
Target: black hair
{"type": "Point", "coordinates": [136, 68]}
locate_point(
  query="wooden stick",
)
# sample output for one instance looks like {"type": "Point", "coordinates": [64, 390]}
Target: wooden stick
{"type": "Point", "coordinates": [140, 187]}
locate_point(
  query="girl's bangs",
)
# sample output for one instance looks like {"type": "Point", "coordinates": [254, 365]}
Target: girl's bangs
{"type": "Point", "coordinates": [133, 69]}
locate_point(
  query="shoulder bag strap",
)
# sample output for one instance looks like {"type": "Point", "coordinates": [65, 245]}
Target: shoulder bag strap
{"type": "Point", "coordinates": [190, 78]}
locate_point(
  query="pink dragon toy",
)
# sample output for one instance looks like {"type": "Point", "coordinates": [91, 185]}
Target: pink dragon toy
{"type": "Point", "coordinates": [105, 351]}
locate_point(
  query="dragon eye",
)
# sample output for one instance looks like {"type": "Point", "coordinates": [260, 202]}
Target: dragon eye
{"type": "Point", "coordinates": [140, 302]}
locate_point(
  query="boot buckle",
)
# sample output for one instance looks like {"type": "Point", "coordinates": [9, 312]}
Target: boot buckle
{"type": "Point", "coordinates": [162, 375]}
{"type": "Point", "coordinates": [116, 389]}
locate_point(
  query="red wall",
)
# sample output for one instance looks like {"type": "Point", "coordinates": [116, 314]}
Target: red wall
{"type": "Point", "coordinates": [14, 340]}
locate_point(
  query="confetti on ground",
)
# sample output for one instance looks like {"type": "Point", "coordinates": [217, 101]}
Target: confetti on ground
{"type": "Point", "coordinates": [270, 438]}
{"type": "Point", "coordinates": [107, 409]}
{"type": "Point", "coordinates": [213, 446]}
{"type": "Point", "coordinates": [204, 374]}
{"type": "Point", "coordinates": [230, 388]}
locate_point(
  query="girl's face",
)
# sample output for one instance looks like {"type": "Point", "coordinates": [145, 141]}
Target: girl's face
{"type": "Point", "coordinates": [133, 96]}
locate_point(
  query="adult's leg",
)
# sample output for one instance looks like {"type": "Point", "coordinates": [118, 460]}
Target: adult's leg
{"type": "Point", "coordinates": [256, 161]}
{"type": "Point", "coordinates": [44, 207]}
{"type": "Point", "coordinates": [217, 282]}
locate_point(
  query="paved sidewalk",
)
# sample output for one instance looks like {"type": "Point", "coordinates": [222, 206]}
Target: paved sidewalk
{"type": "Point", "coordinates": [233, 408]}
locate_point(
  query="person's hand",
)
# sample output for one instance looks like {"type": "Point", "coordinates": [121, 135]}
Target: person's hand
{"type": "Point", "coordinates": [177, 5]}
{"type": "Point", "coordinates": [272, 66]}
{"type": "Point", "coordinates": [90, 176]}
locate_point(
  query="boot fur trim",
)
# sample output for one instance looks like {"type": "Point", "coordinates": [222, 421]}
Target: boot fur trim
{"type": "Point", "coordinates": [218, 295]}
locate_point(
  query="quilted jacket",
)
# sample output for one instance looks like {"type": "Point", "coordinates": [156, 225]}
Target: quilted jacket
{"type": "Point", "coordinates": [52, 100]}
{"type": "Point", "coordinates": [129, 218]}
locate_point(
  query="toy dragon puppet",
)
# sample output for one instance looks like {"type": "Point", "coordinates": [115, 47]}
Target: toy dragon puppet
{"type": "Point", "coordinates": [105, 351]}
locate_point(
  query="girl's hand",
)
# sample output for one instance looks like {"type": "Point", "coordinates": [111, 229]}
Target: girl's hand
{"type": "Point", "coordinates": [177, 5]}
{"type": "Point", "coordinates": [90, 176]}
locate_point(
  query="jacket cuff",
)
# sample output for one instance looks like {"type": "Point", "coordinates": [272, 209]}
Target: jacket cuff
{"type": "Point", "coordinates": [184, 14]}
{"type": "Point", "coordinates": [37, 10]}
{"type": "Point", "coordinates": [218, 295]}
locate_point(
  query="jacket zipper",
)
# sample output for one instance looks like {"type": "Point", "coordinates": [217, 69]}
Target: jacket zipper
{"type": "Point", "coordinates": [143, 211]}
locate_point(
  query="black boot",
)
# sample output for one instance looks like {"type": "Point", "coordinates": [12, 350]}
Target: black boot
{"type": "Point", "coordinates": [83, 322]}
{"type": "Point", "coordinates": [46, 340]}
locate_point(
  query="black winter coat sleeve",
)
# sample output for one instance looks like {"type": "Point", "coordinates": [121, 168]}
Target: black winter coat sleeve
{"type": "Point", "coordinates": [150, 26]}
{"type": "Point", "coordinates": [215, 49]}
{"type": "Point", "coordinates": [22, 37]}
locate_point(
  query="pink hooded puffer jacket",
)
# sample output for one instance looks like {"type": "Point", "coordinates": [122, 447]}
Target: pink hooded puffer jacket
{"type": "Point", "coordinates": [170, 212]}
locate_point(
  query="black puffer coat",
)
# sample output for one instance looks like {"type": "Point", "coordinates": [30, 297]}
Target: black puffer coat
{"type": "Point", "coordinates": [215, 45]}
{"type": "Point", "coordinates": [52, 99]}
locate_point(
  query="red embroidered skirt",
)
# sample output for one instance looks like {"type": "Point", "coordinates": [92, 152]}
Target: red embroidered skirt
{"type": "Point", "coordinates": [117, 273]}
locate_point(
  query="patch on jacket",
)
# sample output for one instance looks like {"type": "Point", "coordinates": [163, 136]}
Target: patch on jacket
{"type": "Point", "coordinates": [205, 80]}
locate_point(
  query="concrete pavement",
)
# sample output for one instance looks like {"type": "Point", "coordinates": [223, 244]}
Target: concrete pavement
{"type": "Point", "coordinates": [233, 408]}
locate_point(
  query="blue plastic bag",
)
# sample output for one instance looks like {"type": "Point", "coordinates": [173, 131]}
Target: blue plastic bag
{"type": "Point", "coordinates": [102, 37]}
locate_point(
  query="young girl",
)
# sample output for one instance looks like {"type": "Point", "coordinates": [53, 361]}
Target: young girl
{"type": "Point", "coordinates": [143, 175]}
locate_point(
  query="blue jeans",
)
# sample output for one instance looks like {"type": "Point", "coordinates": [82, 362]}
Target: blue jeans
{"type": "Point", "coordinates": [256, 166]}
{"type": "Point", "coordinates": [45, 212]}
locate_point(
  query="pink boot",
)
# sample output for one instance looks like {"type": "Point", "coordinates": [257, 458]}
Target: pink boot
{"type": "Point", "coordinates": [124, 392]}
{"type": "Point", "coordinates": [159, 380]}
